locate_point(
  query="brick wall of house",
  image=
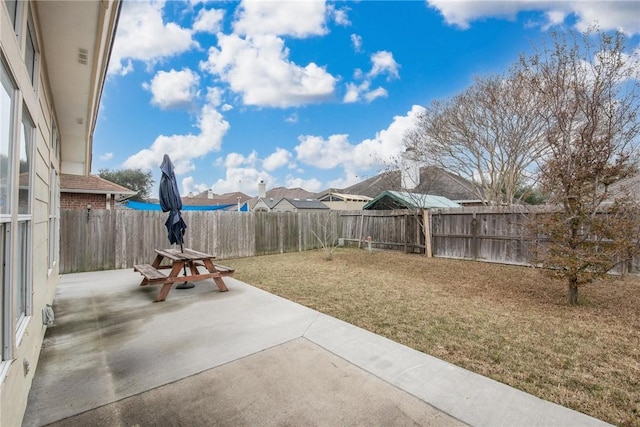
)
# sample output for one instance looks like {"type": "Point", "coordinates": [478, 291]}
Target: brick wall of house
{"type": "Point", "coordinates": [81, 200]}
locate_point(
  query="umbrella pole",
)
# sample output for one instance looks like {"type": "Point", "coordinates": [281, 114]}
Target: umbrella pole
{"type": "Point", "coordinates": [185, 285]}
{"type": "Point", "coordinates": [185, 267]}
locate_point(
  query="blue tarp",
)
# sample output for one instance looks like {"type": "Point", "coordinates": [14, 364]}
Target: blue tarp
{"type": "Point", "coordinates": [141, 206]}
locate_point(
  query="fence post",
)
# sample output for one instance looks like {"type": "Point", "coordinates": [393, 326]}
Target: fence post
{"type": "Point", "coordinates": [474, 237]}
{"type": "Point", "coordinates": [404, 233]}
{"type": "Point", "coordinates": [360, 236]}
{"type": "Point", "coordinates": [427, 233]}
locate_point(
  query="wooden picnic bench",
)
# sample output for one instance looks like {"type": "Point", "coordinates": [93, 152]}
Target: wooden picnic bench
{"type": "Point", "coordinates": [181, 260]}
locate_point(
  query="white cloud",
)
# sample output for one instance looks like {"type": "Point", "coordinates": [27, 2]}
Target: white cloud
{"type": "Point", "coordinates": [106, 156]}
{"type": "Point", "coordinates": [356, 42]}
{"type": "Point", "coordinates": [363, 91]}
{"type": "Point", "coordinates": [214, 96]}
{"type": "Point", "coordinates": [173, 89]}
{"type": "Point", "coordinates": [209, 21]}
{"type": "Point", "coordinates": [376, 93]}
{"type": "Point", "coordinates": [292, 18]}
{"type": "Point", "coordinates": [184, 148]}
{"type": "Point", "coordinates": [341, 16]}
{"type": "Point", "coordinates": [352, 94]}
{"type": "Point", "coordinates": [242, 179]}
{"type": "Point", "coordinates": [259, 69]}
{"type": "Point", "coordinates": [189, 186]}
{"type": "Point", "coordinates": [610, 15]}
{"type": "Point", "coordinates": [276, 159]}
{"type": "Point", "coordinates": [554, 17]}
{"type": "Point", "coordinates": [293, 118]}
{"type": "Point", "coordinates": [142, 35]}
{"type": "Point", "coordinates": [337, 151]}
{"type": "Point", "coordinates": [312, 185]}
{"type": "Point", "coordinates": [383, 63]}
{"type": "Point", "coordinates": [324, 153]}
{"type": "Point", "coordinates": [235, 160]}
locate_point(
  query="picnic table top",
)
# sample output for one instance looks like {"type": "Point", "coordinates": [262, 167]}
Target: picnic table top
{"type": "Point", "coordinates": [185, 254]}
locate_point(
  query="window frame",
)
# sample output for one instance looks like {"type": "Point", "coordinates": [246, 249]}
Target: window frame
{"type": "Point", "coordinates": [8, 327]}
{"type": "Point", "coordinates": [24, 241]}
{"type": "Point", "coordinates": [54, 218]}
{"type": "Point", "coordinates": [16, 19]}
{"type": "Point", "coordinates": [30, 35]}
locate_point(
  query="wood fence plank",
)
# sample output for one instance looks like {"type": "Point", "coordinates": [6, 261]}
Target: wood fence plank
{"type": "Point", "coordinates": [106, 239]}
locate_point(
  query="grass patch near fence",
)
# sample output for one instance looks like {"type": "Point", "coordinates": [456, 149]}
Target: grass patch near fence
{"type": "Point", "coordinates": [509, 323]}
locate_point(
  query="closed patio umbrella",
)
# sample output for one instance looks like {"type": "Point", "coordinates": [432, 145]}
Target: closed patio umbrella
{"type": "Point", "coordinates": [171, 202]}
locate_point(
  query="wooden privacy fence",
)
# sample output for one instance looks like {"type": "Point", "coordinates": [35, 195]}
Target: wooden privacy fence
{"type": "Point", "coordinates": [491, 234]}
{"type": "Point", "coordinates": [396, 230]}
{"type": "Point", "coordinates": [113, 239]}
{"type": "Point", "coordinates": [482, 234]}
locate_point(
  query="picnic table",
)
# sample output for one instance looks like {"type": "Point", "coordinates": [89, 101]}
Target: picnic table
{"type": "Point", "coordinates": [153, 274]}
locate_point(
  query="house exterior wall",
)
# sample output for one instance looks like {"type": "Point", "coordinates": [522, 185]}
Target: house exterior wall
{"type": "Point", "coordinates": [29, 219]}
{"type": "Point", "coordinates": [284, 206]}
{"type": "Point", "coordinates": [261, 206]}
{"type": "Point", "coordinates": [24, 338]}
{"type": "Point", "coordinates": [345, 205]}
{"type": "Point", "coordinates": [82, 200]}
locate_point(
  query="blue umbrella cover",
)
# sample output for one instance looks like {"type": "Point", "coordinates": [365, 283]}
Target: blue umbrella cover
{"type": "Point", "coordinates": [171, 202]}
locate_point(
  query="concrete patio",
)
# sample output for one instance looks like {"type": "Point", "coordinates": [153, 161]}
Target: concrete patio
{"type": "Point", "coordinates": [246, 358]}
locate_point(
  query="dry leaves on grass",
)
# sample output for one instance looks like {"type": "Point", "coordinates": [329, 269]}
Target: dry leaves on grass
{"type": "Point", "coordinates": [509, 323]}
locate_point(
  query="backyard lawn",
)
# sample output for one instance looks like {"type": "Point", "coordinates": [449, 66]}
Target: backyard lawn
{"type": "Point", "coordinates": [509, 323]}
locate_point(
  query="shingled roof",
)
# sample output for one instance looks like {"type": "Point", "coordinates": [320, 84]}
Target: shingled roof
{"type": "Point", "coordinates": [388, 200]}
{"type": "Point", "coordinates": [627, 187]}
{"type": "Point", "coordinates": [433, 180]}
{"type": "Point", "coordinates": [205, 199]}
{"type": "Point", "coordinates": [91, 184]}
{"type": "Point", "coordinates": [306, 204]}
{"type": "Point", "coordinates": [278, 193]}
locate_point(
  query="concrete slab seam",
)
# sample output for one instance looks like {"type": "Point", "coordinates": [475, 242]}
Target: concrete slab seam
{"type": "Point", "coordinates": [304, 336]}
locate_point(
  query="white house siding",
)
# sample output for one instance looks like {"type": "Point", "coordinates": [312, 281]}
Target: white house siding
{"type": "Point", "coordinates": [262, 206]}
{"type": "Point", "coordinates": [284, 206]}
{"type": "Point", "coordinates": [345, 205]}
{"type": "Point", "coordinates": [26, 343]}
{"type": "Point", "coordinates": [21, 342]}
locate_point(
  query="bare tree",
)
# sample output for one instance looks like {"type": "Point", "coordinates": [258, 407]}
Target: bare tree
{"type": "Point", "coordinates": [489, 134]}
{"type": "Point", "coordinates": [327, 233]}
{"type": "Point", "coordinates": [589, 88]}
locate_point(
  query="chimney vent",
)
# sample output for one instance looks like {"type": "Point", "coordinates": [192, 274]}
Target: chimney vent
{"type": "Point", "coordinates": [262, 189]}
{"type": "Point", "coordinates": [410, 173]}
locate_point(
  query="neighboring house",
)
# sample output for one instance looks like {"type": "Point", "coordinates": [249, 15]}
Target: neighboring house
{"type": "Point", "coordinates": [298, 205]}
{"type": "Point", "coordinates": [389, 200]}
{"type": "Point", "coordinates": [627, 187]}
{"type": "Point", "coordinates": [53, 63]}
{"type": "Point", "coordinates": [267, 199]}
{"type": "Point", "coordinates": [230, 201]}
{"type": "Point", "coordinates": [424, 180]}
{"type": "Point", "coordinates": [342, 201]}
{"type": "Point", "coordinates": [91, 192]}
{"type": "Point", "coordinates": [264, 204]}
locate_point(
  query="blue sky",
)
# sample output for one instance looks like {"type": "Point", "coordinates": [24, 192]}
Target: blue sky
{"type": "Point", "coordinates": [306, 93]}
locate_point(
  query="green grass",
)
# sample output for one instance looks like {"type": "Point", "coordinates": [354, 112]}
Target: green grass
{"type": "Point", "coordinates": [509, 323]}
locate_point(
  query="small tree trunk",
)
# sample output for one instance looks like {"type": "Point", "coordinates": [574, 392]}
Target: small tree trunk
{"type": "Point", "coordinates": [573, 291]}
